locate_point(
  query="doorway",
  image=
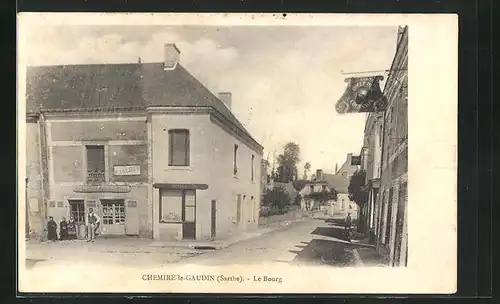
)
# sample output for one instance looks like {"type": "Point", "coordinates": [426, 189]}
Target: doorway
{"type": "Point", "coordinates": [213, 220]}
{"type": "Point", "coordinates": [399, 223]}
{"type": "Point", "coordinates": [189, 215]}
{"type": "Point", "coordinates": [113, 216]}
{"type": "Point", "coordinates": [238, 209]}
{"type": "Point", "coordinates": [77, 210]}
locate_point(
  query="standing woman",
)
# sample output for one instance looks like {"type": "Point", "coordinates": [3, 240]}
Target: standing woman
{"type": "Point", "coordinates": [63, 230]}
{"type": "Point", "coordinates": [71, 228]}
{"type": "Point", "coordinates": [52, 229]}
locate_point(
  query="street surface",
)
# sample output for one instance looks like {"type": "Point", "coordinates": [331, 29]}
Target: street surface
{"type": "Point", "coordinates": [306, 242]}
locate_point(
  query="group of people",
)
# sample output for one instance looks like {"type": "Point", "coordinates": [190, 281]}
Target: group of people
{"type": "Point", "coordinates": [68, 229]}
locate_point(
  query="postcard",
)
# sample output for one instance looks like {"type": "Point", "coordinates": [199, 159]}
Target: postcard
{"type": "Point", "coordinates": [237, 153]}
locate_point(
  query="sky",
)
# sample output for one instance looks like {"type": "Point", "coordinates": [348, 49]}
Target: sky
{"type": "Point", "coordinates": [284, 80]}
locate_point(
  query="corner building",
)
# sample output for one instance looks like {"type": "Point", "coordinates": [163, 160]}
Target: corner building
{"type": "Point", "coordinates": [146, 145]}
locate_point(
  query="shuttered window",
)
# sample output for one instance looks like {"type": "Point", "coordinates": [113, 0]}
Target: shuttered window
{"type": "Point", "coordinates": [178, 148]}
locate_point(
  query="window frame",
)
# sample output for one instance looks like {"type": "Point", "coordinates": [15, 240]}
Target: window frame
{"type": "Point", "coordinates": [183, 207]}
{"type": "Point", "coordinates": [235, 159]}
{"type": "Point", "coordinates": [105, 163]}
{"type": "Point", "coordinates": [253, 167]}
{"type": "Point", "coordinates": [187, 145]}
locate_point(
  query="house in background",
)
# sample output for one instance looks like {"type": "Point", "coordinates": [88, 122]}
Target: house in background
{"type": "Point", "coordinates": [343, 205]}
{"type": "Point", "coordinates": [146, 145]}
{"type": "Point", "coordinates": [310, 203]}
{"type": "Point", "coordinates": [348, 167]}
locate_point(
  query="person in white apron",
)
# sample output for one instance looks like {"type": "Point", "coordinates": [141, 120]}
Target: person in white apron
{"type": "Point", "coordinates": [92, 221]}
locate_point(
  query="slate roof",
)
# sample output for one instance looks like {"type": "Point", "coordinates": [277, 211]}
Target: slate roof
{"type": "Point", "coordinates": [118, 86]}
{"type": "Point", "coordinates": [338, 182]}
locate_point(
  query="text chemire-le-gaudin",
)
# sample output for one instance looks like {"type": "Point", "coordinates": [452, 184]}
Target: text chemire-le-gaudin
{"type": "Point", "coordinates": [208, 278]}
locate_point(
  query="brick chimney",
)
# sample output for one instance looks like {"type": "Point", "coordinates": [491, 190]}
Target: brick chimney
{"type": "Point", "coordinates": [172, 56]}
{"type": "Point", "coordinates": [319, 175]}
{"type": "Point", "coordinates": [226, 97]}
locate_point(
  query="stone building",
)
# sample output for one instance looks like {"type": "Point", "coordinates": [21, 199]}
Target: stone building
{"type": "Point", "coordinates": [145, 144]}
{"type": "Point", "coordinates": [385, 161]}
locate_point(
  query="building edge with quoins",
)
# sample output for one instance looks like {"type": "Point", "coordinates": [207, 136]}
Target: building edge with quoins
{"type": "Point", "coordinates": [146, 145]}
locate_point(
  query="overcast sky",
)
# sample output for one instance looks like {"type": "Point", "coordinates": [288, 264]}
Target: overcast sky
{"type": "Point", "coordinates": [285, 80]}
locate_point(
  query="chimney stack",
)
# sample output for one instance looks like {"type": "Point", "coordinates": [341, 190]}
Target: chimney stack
{"type": "Point", "coordinates": [349, 159]}
{"type": "Point", "coordinates": [336, 167]}
{"type": "Point", "coordinates": [226, 97]}
{"type": "Point", "coordinates": [319, 175]}
{"type": "Point", "coordinates": [172, 56]}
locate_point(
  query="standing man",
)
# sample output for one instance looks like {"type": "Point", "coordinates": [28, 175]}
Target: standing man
{"type": "Point", "coordinates": [348, 224]}
{"type": "Point", "coordinates": [92, 222]}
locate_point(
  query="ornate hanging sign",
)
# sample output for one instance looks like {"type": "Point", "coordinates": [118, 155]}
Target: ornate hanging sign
{"type": "Point", "coordinates": [363, 94]}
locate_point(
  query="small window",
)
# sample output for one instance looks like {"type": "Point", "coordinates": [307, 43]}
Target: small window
{"type": "Point", "coordinates": [252, 164]}
{"type": "Point", "coordinates": [312, 188]}
{"type": "Point", "coordinates": [235, 164]}
{"type": "Point", "coordinates": [323, 187]}
{"type": "Point", "coordinates": [178, 148]}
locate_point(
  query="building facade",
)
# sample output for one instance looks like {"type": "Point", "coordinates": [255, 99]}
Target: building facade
{"type": "Point", "coordinates": [146, 145]}
{"type": "Point", "coordinates": [385, 161]}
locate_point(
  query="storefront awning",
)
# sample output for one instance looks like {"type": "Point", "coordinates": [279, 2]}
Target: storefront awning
{"type": "Point", "coordinates": [181, 186]}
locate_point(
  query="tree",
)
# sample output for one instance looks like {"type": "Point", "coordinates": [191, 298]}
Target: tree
{"type": "Point", "coordinates": [287, 162]}
{"type": "Point", "coordinates": [307, 168]}
{"type": "Point", "coordinates": [277, 199]}
{"type": "Point", "coordinates": [356, 191]}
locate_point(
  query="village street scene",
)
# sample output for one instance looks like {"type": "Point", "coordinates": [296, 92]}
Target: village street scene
{"type": "Point", "coordinates": [149, 146]}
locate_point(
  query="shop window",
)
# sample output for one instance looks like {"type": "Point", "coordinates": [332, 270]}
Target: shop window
{"type": "Point", "coordinates": [178, 148]}
{"type": "Point", "coordinates": [177, 206]}
{"type": "Point", "coordinates": [95, 164]}
{"type": "Point", "coordinates": [113, 213]}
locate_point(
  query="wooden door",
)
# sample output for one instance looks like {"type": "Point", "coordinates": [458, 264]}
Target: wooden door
{"type": "Point", "coordinates": [189, 215]}
{"type": "Point", "coordinates": [132, 218]}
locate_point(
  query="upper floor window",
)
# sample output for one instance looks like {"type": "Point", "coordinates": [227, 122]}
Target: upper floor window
{"type": "Point", "coordinates": [235, 164]}
{"type": "Point", "coordinates": [312, 188]}
{"type": "Point", "coordinates": [96, 164]}
{"type": "Point", "coordinates": [252, 164]}
{"type": "Point", "coordinates": [178, 148]}
{"type": "Point", "coordinates": [323, 188]}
